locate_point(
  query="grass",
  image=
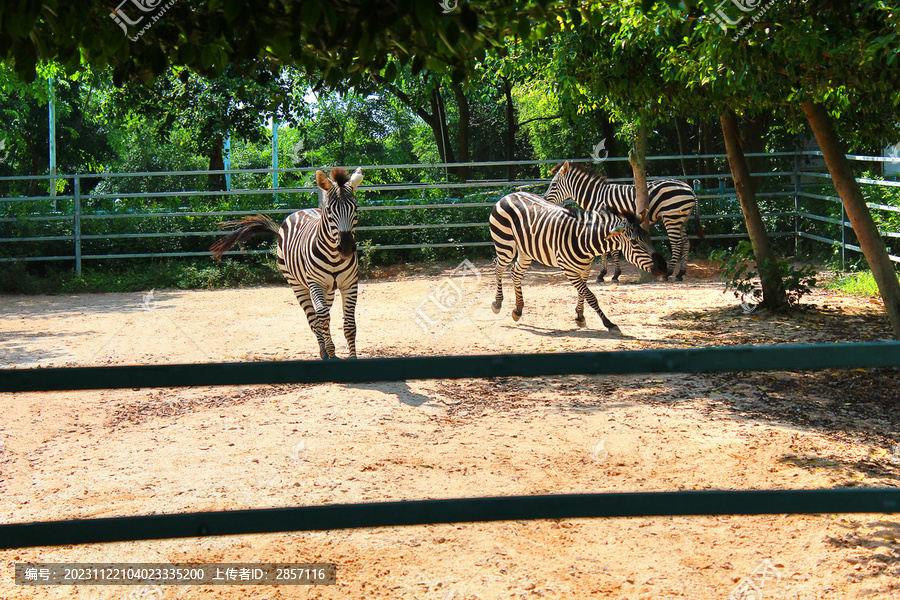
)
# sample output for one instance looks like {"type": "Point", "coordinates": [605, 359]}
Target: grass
{"type": "Point", "coordinates": [860, 283]}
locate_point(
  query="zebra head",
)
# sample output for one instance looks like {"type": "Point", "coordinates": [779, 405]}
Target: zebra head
{"type": "Point", "coordinates": [339, 208]}
{"type": "Point", "coordinates": [561, 188]}
{"type": "Point", "coordinates": [637, 246]}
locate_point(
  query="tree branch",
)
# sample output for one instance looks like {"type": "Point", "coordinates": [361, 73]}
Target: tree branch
{"type": "Point", "coordinates": [550, 118]}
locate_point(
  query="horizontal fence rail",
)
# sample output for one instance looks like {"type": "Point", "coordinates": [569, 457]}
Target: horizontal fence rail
{"type": "Point", "coordinates": [79, 219]}
{"type": "Point", "coordinates": [684, 360]}
{"type": "Point", "coordinates": [454, 510]}
{"type": "Point", "coordinates": [422, 512]}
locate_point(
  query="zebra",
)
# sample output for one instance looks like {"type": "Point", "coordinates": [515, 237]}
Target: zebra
{"type": "Point", "coordinates": [316, 254]}
{"type": "Point", "coordinates": [565, 237]}
{"type": "Point", "coordinates": [670, 200]}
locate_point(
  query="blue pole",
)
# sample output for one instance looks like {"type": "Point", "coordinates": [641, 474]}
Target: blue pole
{"type": "Point", "coordinates": [51, 104]}
{"type": "Point", "coordinates": [274, 153]}
{"type": "Point", "coordinates": [226, 160]}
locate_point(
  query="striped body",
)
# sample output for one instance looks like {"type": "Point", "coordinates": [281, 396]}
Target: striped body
{"type": "Point", "coordinates": [671, 201]}
{"type": "Point", "coordinates": [316, 253]}
{"type": "Point", "coordinates": [526, 228]}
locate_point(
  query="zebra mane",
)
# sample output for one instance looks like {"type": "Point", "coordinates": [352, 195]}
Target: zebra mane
{"type": "Point", "coordinates": [576, 211]}
{"type": "Point", "coordinates": [593, 175]}
{"type": "Point", "coordinates": [628, 215]}
{"type": "Point", "coordinates": [339, 176]}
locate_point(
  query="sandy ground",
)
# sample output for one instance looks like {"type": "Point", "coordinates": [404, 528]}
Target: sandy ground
{"type": "Point", "coordinates": [121, 452]}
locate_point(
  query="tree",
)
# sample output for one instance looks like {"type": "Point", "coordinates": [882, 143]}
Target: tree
{"type": "Point", "coordinates": [82, 143]}
{"type": "Point", "coordinates": [774, 296]}
{"type": "Point", "coordinates": [340, 40]}
{"type": "Point", "coordinates": [820, 62]}
{"type": "Point", "coordinates": [611, 56]}
{"type": "Point", "coordinates": [233, 104]}
{"type": "Point", "coordinates": [422, 94]}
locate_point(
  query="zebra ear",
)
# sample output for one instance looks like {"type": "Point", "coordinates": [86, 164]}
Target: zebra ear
{"type": "Point", "coordinates": [565, 168]}
{"type": "Point", "coordinates": [322, 181]}
{"type": "Point", "coordinates": [356, 178]}
{"type": "Point", "coordinates": [643, 216]}
{"type": "Point", "coordinates": [618, 229]}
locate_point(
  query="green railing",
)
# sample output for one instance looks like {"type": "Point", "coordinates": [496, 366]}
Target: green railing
{"type": "Point", "coordinates": [102, 225]}
{"type": "Point", "coordinates": [313, 518]}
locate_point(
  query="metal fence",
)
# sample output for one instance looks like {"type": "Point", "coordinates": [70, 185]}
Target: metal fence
{"type": "Point", "coordinates": [432, 212]}
{"type": "Point", "coordinates": [837, 230]}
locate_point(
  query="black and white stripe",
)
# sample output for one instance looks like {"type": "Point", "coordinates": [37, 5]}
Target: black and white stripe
{"type": "Point", "coordinates": [670, 200]}
{"type": "Point", "coordinates": [316, 254]}
{"type": "Point", "coordinates": [568, 238]}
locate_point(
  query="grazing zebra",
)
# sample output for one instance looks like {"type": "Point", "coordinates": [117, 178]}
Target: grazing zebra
{"type": "Point", "coordinates": [568, 238]}
{"type": "Point", "coordinates": [316, 254]}
{"type": "Point", "coordinates": [670, 200]}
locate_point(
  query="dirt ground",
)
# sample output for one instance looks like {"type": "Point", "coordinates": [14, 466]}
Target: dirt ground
{"type": "Point", "coordinates": [123, 452]}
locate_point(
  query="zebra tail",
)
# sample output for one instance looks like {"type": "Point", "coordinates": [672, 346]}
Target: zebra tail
{"type": "Point", "coordinates": [700, 234]}
{"type": "Point", "coordinates": [246, 229]}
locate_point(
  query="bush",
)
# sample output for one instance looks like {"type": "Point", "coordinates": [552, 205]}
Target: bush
{"type": "Point", "coordinates": [742, 275]}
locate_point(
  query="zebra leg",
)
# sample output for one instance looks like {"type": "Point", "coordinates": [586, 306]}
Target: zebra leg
{"type": "Point", "coordinates": [500, 264]}
{"type": "Point", "coordinates": [308, 305]}
{"type": "Point", "coordinates": [579, 305]}
{"type": "Point", "coordinates": [329, 341]}
{"type": "Point", "coordinates": [522, 264]}
{"type": "Point", "coordinates": [579, 311]}
{"type": "Point", "coordinates": [348, 298]}
{"type": "Point", "coordinates": [675, 228]}
{"type": "Point", "coordinates": [579, 280]}
{"type": "Point", "coordinates": [321, 324]}
{"type": "Point", "coordinates": [685, 250]}
{"type": "Point", "coordinates": [617, 269]}
{"type": "Point", "coordinates": [603, 270]}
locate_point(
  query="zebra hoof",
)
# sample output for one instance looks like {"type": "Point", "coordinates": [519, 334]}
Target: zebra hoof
{"type": "Point", "coordinates": [580, 322]}
{"type": "Point", "coordinates": [614, 279]}
{"type": "Point", "coordinates": [679, 278]}
{"type": "Point", "coordinates": [495, 307]}
{"type": "Point", "coordinates": [614, 330]}
{"type": "Point", "coordinates": [599, 278]}
{"type": "Point", "coordinates": [516, 314]}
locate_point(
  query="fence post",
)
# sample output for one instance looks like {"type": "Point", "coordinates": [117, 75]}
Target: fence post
{"type": "Point", "coordinates": [76, 199]}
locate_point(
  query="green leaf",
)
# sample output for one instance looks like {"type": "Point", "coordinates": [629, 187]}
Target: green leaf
{"type": "Point", "coordinates": [390, 72]}
{"type": "Point", "coordinates": [311, 11]}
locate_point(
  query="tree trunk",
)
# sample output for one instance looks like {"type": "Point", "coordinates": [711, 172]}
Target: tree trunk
{"type": "Point", "coordinates": [866, 231]}
{"type": "Point", "coordinates": [510, 130]}
{"type": "Point", "coordinates": [217, 163]}
{"type": "Point", "coordinates": [463, 142]}
{"type": "Point", "coordinates": [637, 158]}
{"type": "Point", "coordinates": [773, 288]}
{"type": "Point", "coordinates": [752, 132]}
{"type": "Point", "coordinates": [439, 126]}
{"type": "Point", "coordinates": [682, 144]}
{"type": "Point", "coordinates": [436, 119]}
{"type": "Point", "coordinates": [613, 169]}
